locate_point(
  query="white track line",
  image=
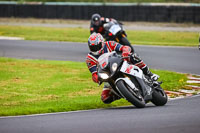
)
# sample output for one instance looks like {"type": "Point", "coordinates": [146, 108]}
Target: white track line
{"type": "Point", "coordinates": [45, 114]}
{"type": "Point", "coordinates": [10, 38]}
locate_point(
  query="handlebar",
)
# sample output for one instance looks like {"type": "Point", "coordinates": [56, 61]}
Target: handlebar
{"type": "Point", "coordinates": [125, 58]}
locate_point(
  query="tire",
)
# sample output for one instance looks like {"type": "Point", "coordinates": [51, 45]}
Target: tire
{"type": "Point", "coordinates": [159, 97]}
{"type": "Point", "coordinates": [124, 41]}
{"type": "Point", "coordinates": [123, 88]}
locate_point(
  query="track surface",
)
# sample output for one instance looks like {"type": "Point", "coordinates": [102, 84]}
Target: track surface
{"type": "Point", "coordinates": [179, 59]}
{"type": "Point", "coordinates": [178, 116]}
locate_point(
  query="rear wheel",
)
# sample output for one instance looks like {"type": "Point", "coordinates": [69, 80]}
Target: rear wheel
{"type": "Point", "coordinates": [159, 97]}
{"type": "Point", "coordinates": [133, 97]}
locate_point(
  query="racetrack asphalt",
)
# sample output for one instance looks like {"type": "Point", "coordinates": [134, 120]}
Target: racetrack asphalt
{"type": "Point", "coordinates": [179, 59]}
{"type": "Point", "coordinates": [178, 116]}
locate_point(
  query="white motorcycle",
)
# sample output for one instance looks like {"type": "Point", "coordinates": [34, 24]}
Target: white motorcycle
{"type": "Point", "coordinates": [129, 82]}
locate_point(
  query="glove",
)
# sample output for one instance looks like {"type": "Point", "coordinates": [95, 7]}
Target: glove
{"type": "Point", "coordinates": [126, 51]}
{"type": "Point", "coordinates": [95, 77]}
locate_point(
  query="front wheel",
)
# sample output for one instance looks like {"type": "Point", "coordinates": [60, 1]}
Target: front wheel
{"type": "Point", "coordinates": [159, 97]}
{"type": "Point", "coordinates": [133, 97]}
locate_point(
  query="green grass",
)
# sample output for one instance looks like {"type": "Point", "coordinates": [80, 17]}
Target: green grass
{"type": "Point", "coordinates": [81, 35]}
{"type": "Point", "coordinates": [40, 86]}
{"type": "Point", "coordinates": [163, 38]}
{"type": "Point", "coordinates": [48, 34]}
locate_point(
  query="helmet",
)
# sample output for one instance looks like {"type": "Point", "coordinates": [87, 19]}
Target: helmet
{"type": "Point", "coordinates": [95, 42]}
{"type": "Point", "coordinates": [96, 19]}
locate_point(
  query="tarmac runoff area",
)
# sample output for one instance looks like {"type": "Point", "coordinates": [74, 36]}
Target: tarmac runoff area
{"type": "Point", "coordinates": [187, 90]}
{"type": "Point", "coordinates": [64, 23]}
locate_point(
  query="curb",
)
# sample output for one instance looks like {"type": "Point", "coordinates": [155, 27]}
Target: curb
{"type": "Point", "coordinates": [192, 88]}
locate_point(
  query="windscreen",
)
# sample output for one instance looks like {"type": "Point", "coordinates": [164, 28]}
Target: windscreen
{"type": "Point", "coordinates": [103, 59]}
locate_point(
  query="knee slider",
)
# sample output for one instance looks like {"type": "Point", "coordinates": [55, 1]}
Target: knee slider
{"type": "Point", "coordinates": [108, 100]}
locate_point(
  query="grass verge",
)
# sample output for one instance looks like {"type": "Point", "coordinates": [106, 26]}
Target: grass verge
{"type": "Point", "coordinates": [40, 86]}
{"type": "Point", "coordinates": [163, 38]}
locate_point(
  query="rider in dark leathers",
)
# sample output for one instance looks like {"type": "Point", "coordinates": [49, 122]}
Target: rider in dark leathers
{"type": "Point", "coordinates": [97, 23]}
{"type": "Point", "coordinates": [97, 26]}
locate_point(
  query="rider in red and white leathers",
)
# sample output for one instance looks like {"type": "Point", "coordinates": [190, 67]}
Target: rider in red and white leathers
{"type": "Point", "coordinates": [97, 47]}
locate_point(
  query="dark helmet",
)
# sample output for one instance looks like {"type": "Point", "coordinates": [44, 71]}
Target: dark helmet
{"type": "Point", "coordinates": [96, 19]}
{"type": "Point", "coordinates": [95, 42]}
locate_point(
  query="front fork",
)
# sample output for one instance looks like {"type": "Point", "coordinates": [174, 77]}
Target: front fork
{"type": "Point", "coordinates": [117, 39]}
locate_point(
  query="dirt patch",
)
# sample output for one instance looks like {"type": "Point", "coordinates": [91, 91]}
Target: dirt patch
{"type": "Point", "coordinates": [87, 92]}
{"type": "Point", "coordinates": [42, 98]}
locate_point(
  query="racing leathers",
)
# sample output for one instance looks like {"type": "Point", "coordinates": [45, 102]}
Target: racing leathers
{"type": "Point", "coordinates": [100, 29]}
{"type": "Point", "coordinates": [107, 96]}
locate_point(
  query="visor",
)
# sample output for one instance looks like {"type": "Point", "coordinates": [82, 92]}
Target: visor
{"type": "Point", "coordinates": [95, 48]}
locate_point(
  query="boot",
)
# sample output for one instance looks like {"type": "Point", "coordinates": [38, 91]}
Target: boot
{"type": "Point", "coordinates": [148, 73]}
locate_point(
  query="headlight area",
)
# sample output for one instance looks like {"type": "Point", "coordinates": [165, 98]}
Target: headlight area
{"type": "Point", "coordinates": [104, 75]}
{"type": "Point", "coordinates": [114, 67]}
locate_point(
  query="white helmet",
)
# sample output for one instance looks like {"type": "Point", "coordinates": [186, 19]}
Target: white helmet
{"type": "Point", "coordinates": [95, 42]}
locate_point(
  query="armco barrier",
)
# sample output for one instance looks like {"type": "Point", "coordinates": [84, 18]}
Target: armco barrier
{"type": "Point", "coordinates": [125, 12]}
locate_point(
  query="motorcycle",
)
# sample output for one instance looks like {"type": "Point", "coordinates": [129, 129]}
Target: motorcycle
{"type": "Point", "coordinates": [114, 31]}
{"type": "Point", "coordinates": [129, 82]}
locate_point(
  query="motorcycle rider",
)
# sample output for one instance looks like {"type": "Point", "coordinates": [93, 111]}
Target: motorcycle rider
{"type": "Point", "coordinates": [98, 47]}
{"type": "Point", "coordinates": [97, 23]}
